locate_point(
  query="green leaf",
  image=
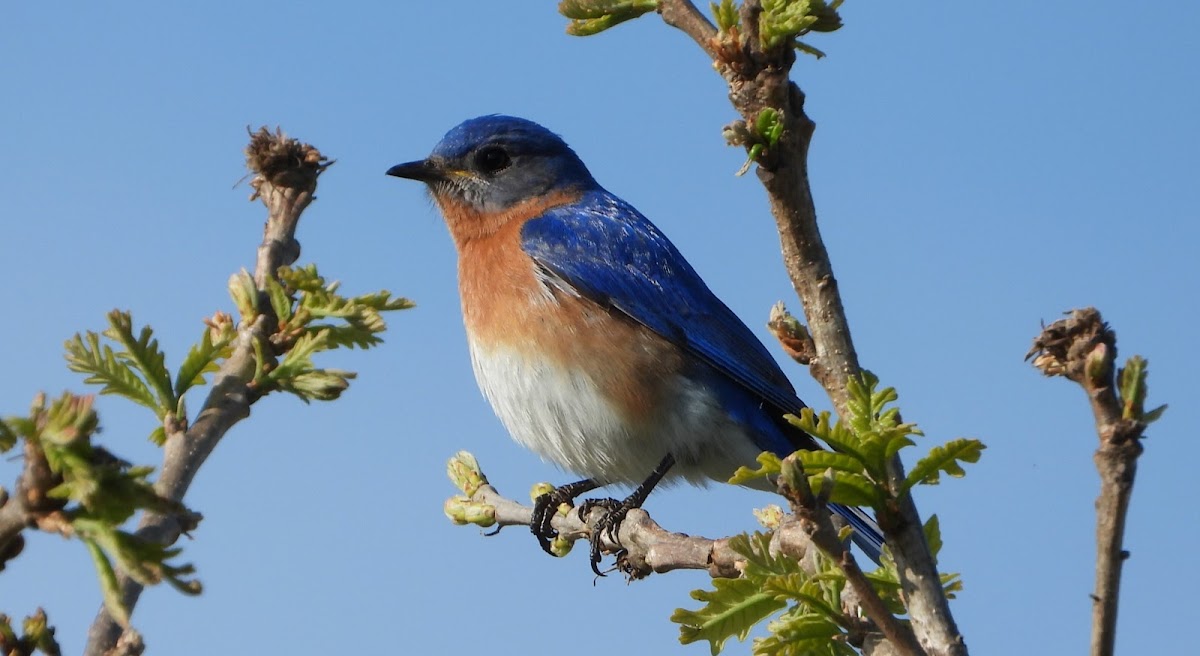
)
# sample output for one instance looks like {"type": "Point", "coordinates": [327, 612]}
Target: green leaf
{"type": "Point", "coordinates": [783, 21]}
{"type": "Point", "coordinates": [802, 587]}
{"type": "Point", "coordinates": [848, 489]}
{"type": "Point", "coordinates": [361, 317]}
{"type": "Point", "coordinates": [887, 584]}
{"type": "Point", "coordinates": [760, 562]}
{"type": "Point", "coordinates": [819, 461]}
{"type": "Point", "coordinates": [731, 610]}
{"type": "Point", "coordinates": [836, 435]}
{"type": "Point", "coordinates": [1131, 380]}
{"type": "Point", "coordinates": [318, 384]}
{"type": "Point", "coordinates": [8, 436]}
{"type": "Point", "coordinates": [768, 466]}
{"type": "Point", "coordinates": [143, 560]}
{"type": "Point", "coordinates": [590, 17]}
{"type": "Point", "coordinates": [809, 50]}
{"type": "Point", "coordinates": [201, 359]}
{"type": "Point", "coordinates": [244, 294]}
{"type": "Point", "coordinates": [933, 536]}
{"type": "Point", "coordinates": [298, 360]}
{"type": "Point", "coordinates": [7, 635]}
{"type": "Point", "coordinates": [725, 15]}
{"type": "Point", "coordinates": [355, 334]}
{"type": "Point", "coordinates": [1154, 415]}
{"type": "Point", "coordinates": [944, 458]}
{"type": "Point", "coordinates": [38, 634]}
{"type": "Point", "coordinates": [85, 355]}
{"type": "Point", "coordinates": [142, 353]}
{"type": "Point", "coordinates": [768, 125]}
{"type": "Point", "coordinates": [802, 634]}
{"type": "Point", "coordinates": [951, 584]}
{"type": "Point", "coordinates": [108, 583]}
{"type": "Point", "coordinates": [281, 302]}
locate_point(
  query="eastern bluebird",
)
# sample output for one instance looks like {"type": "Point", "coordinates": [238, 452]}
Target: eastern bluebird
{"type": "Point", "coordinates": [597, 344]}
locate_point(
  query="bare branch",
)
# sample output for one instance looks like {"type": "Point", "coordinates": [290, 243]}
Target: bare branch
{"type": "Point", "coordinates": [1083, 349]}
{"type": "Point", "coordinates": [33, 489]}
{"type": "Point", "coordinates": [686, 17]}
{"type": "Point", "coordinates": [285, 180]}
{"type": "Point", "coordinates": [30, 502]}
{"type": "Point", "coordinates": [644, 546]}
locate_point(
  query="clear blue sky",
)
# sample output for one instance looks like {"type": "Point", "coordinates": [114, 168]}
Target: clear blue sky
{"type": "Point", "coordinates": [978, 168]}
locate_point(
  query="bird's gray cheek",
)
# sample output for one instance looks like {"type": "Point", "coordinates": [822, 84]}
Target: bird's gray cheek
{"type": "Point", "coordinates": [499, 198]}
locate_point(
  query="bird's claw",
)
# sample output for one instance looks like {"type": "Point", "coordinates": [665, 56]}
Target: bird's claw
{"type": "Point", "coordinates": [608, 526]}
{"type": "Point", "coordinates": [545, 507]}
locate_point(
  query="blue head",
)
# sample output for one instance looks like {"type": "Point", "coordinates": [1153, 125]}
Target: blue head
{"type": "Point", "coordinates": [493, 162]}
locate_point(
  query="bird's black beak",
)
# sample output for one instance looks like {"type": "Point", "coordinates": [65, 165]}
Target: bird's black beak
{"type": "Point", "coordinates": [423, 170]}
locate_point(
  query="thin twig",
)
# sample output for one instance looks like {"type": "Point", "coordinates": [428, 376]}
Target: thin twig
{"type": "Point", "coordinates": [816, 522]}
{"type": "Point", "coordinates": [286, 181]}
{"type": "Point", "coordinates": [29, 500]}
{"type": "Point", "coordinates": [1082, 348]}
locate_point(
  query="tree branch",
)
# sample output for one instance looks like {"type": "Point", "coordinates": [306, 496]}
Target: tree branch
{"type": "Point", "coordinates": [29, 502]}
{"type": "Point", "coordinates": [285, 180]}
{"type": "Point", "coordinates": [1083, 349]}
{"type": "Point", "coordinates": [642, 547]}
{"type": "Point", "coordinates": [818, 525]}
{"type": "Point", "coordinates": [758, 80]}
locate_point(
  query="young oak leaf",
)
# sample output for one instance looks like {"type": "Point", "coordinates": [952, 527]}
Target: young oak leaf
{"type": "Point", "coordinates": [944, 458]}
{"type": "Point", "coordinates": [731, 610]}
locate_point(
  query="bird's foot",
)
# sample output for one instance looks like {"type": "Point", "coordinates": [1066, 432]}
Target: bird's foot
{"type": "Point", "coordinates": [546, 506]}
{"type": "Point", "coordinates": [609, 524]}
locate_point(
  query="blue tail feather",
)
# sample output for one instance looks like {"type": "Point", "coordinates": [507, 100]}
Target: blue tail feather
{"type": "Point", "coordinates": [867, 534]}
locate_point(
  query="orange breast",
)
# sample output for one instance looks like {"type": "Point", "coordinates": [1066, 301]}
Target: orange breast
{"type": "Point", "coordinates": [506, 306]}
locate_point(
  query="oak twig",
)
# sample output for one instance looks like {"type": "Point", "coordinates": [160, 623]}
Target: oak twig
{"type": "Point", "coordinates": [1083, 349]}
{"type": "Point", "coordinates": [818, 525]}
{"type": "Point", "coordinates": [759, 81]}
{"type": "Point", "coordinates": [285, 180]}
{"type": "Point", "coordinates": [29, 503]}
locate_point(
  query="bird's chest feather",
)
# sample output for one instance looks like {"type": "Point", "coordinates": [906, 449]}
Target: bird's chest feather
{"type": "Point", "coordinates": [580, 384]}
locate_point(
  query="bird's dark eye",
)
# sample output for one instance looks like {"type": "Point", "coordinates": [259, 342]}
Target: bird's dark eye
{"type": "Point", "coordinates": [492, 159]}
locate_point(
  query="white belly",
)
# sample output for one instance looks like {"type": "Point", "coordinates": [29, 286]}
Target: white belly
{"type": "Point", "coordinates": [561, 415]}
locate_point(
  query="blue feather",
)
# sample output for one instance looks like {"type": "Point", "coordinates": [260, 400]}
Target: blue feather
{"type": "Point", "coordinates": [607, 251]}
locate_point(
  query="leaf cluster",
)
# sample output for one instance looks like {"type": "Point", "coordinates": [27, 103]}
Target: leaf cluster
{"type": "Point", "coordinates": [811, 622]}
{"type": "Point", "coordinates": [36, 635]}
{"type": "Point", "coordinates": [886, 579]}
{"type": "Point", "coordinates": [783, 21]}
{"type": "Point", "coordinates": [93, 493]}
{"type": "Point", "coordinates": [863, 444]}
{"type": "Point", "coordinates": [313, 317]}
{"type": "Point", "coordinates": [726, 15]}
{"type": "Point", "coordinates": [853, 473]}
{"type": "Point", "coordinates": [133, 366]}
{"type": "Point", "coordinates": [812, 618]}
{"type": "Point", "coordinates": [757, 139]}
{"type": "Point", "coordinates": [1131, 383]}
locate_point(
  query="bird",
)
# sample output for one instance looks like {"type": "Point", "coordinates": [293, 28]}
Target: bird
{"type": "Point", "coordinates": [596, 343]}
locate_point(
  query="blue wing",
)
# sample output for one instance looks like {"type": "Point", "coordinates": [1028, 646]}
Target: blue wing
{"type": "Point", "coordinates": [604, 249]}
{"type": "Point", "coordinates": [607, 251]}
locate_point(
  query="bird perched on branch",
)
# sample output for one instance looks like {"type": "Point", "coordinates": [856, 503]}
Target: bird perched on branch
{"type": "Point", "coordinates": [597, 344]}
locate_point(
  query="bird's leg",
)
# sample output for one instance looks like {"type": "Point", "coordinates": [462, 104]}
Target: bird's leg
{"type": "Point", "coordinates": [615, 511]}
{"type": "Point", "coordinates": [546, 506]}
